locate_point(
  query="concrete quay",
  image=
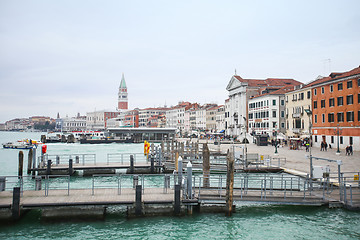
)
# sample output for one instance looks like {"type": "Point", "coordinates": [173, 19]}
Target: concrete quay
{"type": "Point", "coordinates": [298, 160]}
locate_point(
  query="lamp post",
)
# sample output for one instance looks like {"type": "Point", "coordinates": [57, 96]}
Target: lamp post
{"type": "Point", "coordinates": [338, 132]}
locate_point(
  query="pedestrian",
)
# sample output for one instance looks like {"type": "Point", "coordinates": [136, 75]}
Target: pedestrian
{"type": "Point", "coordinates": [325, 145]}
{"type": "Point", "coordinates": [322, 146]}
{"type": "Point", "coordinates": [307, 145]}
{"type": "Point", "coordinates": [350, 150]}
{"type": "Point", "coordinates": [347, 150]}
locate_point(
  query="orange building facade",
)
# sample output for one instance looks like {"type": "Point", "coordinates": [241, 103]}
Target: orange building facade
{"type": "Point", "coordinates": [336, 110]}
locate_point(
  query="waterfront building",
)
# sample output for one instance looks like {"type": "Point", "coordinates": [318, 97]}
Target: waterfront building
{"type": "Point", "coordinates": [146, 115]}
{"type": "Point", "coordinates": [240, 90]}
{"type": "Point", "coordinates": [211, 119]}
{"type": "Point", "coordinates": [18, 124]}
{"type": "Point", "coordinates": [74, 124]}
{"type": "Point", "coordinates": [122, 95]}
{"type": "Point", "coordinates": [175, 116]}
{"type": "Point", "coordinates": [220, 118]}
{"type": "Point", "coordinates": [298, 111]}
{"type": "Point", "coordinates": [98, 120]}
{"type": "Point", "coordinates": [336, 110]}
{"type": "Point", "coordinates": [266, 113]}
{"type": "Point", "coordinates": [227, 116]}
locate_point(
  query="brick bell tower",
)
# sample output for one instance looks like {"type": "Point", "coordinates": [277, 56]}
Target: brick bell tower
{"type": "Point", "coordinates": [122, 95]}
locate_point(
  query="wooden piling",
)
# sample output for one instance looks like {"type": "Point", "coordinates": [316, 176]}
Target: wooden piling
{"type": "Point", "coordinates": [206, 166]}
{"type": "Point", "coordinates": [152, 160]}
{"type": "Point", "coordinates": [138, 204]}
{"type": "Point", "coordinates": [229, 183]}
{"type": "Point", "coordinates": [131, 164]}
{"type": "Point", "coordinates": [15, 207]}
{"type": "Point", "coordinates": [2, 184]}
{"type": "Point", "coordinates": [177, 199]}
{"type": "Point", "coordinates": [48, 167]}
{"type": "Point", "coordinates": [30, 159]}
{"type": "Point", "coordinates": [71, 169]}
{"type": "Point", "coordinates": [21, 162]}
{"type": "Point", "coordinates": [176, 160]}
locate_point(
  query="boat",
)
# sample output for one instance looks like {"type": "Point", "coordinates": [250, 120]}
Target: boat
{"type": "Point", "coordinates": [105, 140]}
{"type": "Point", "coordinates": [23, 144]}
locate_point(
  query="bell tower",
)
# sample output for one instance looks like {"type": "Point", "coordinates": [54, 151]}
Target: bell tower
{"type": "Point", "coordinates": [122, 95]}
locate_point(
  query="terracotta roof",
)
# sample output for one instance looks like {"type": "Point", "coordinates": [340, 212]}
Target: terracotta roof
{"type": "Point", "coordinates": [268, 82]}
{"type": "Point", "coordinates": [334, 76]}
{"type": "Point", "coordinates": [282, 90]}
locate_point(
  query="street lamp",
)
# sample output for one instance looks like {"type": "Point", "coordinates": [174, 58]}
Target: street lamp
{"type": "Point", "coordinates": [338, 132]}
{"type": "Point", "coordinates": [309, 113]}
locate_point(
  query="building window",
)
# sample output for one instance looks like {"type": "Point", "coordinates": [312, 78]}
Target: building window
{"type": "Point", "coordinates": [349, 84]}
{"type": "Point", "coordinates": [282, 114]}
{"type": "Point", "coordinates": [315, 138]}
{"type": "Point", "coordinates": [340, 117]}
{"type": "Point", "coordinates": [340, 86]}
{"type": "Point", "coordinates": [331, 88]}
{"type": "Point", "coordinates": [282, 125]}
{"type": "Point", "coordinates": [340, 101]}
{"type": "Point", "coordinates": [323, 103]}
{"type": "Point", "coordinates": [315, 118]}
{"type": "Point", "coordinates": [351, 140]}
{"type": "Point", "coordinates": [359, 116]}
{"type": "Point", "coordinates": [323, 117]}
{"type": "Point", "coordinates": [322, 90]}
{"type": "Point", "coordinates": [341, 140]}
{"type": "Point", "coordinates": [274, 114]}
{"type": "Point", "coordinates": [282, 102]}
{"type": "Point", "coordinates": [359, 82]}
{"type": "Point", "coordinates": [274, 124]}
{"type": "Point", "coordinates": [332, 139]}
{"type": "Point", "coordinates": [308, 94]}
{"type": "Point", "coordinates": [331, 102]}
{"type": "Point", "coordinates": [331, 117]}
{"type": "Point", "coordinates": [315, 91]}
{"type": "Point", "coordinates": [349, 99]}
{"type": "Point", "coordinates": [349, 116]}
{"type": "Point", "coordinates": [274, 102]}
{"type": "Point", "coordinates": [358, 97]}
{"type": "Point", "coordinates": [315, 104]}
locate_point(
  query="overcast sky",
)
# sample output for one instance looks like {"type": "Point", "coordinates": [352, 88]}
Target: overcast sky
{"type": "Point", "coordinates": [68, 56]}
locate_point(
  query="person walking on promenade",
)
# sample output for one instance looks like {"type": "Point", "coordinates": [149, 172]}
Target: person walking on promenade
{"type": "Point", "coordinates": [322, 146]}
{"type": "Point", "coordinates": [307, 145]}
{"type": "Point", "coordinates": [325, 145]}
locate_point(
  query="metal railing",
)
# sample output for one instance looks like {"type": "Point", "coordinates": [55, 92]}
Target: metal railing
{"type": "Point", "coordinates": [63, 159]}
{"type": "Point", "coordinates": [124, 158]}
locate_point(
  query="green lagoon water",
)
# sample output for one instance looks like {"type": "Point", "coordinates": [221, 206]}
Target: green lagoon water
{"type": "Point", "coordinates": [251, 221]}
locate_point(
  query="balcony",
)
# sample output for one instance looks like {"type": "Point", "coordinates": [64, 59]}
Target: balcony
{"type": "Point", "coordinates": [296, 115]}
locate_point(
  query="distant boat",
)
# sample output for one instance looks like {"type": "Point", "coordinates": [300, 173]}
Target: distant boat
{"type": "Point", "coordinates": [24, 144]}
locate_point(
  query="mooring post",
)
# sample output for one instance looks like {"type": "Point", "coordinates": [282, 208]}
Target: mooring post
{"type": "Point", "coordinates": [21, 162]}
{"type": "Point", "coordinates": [34, 162]}
{"type": "Point", "coordinates": [2, 184]}
{"type": "Point", "coordinates": [152, 168]}
{"type": "Point", "coordinates": [189, 179]}
{"type": "Point", "coordinates": [57, 160]}
{"type": "Point", "coordinates": [229, 183]}
{"type": "Point", "coordinates": [135, 181]}
{"type": "Point", "coordinates": [30, 156]}
{"type": "Point", "coordinates": [38, 183]}
{"type": "Point", "coordinates": [71, 170]}
{"type": "Point", "coordinates": [138, 205]}
{"type": "Point", "coordinates": [176, 161]}
{"type": "Point", "coordinates": [180, 169]}
{"type": "Point", "coordinates": [15, 207]}
{"type": "Point", "coordinates": [131, 164]}
{"type": "Point", "coordinates": [206, 166]}
{"type": "Point", "coordinates": [177, 199]}
{"type": "Point", "coordinates": [48, 167]}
